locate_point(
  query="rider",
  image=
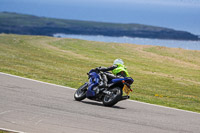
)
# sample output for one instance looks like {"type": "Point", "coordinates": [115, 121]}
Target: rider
{"type": "Point", "coordinates": [118, 69]}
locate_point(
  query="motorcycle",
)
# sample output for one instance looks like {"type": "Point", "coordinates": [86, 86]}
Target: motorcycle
{"type": "Point", "coordinates": [118, 89]}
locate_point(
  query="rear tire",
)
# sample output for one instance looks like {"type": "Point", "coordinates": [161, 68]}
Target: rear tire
{"type": "Point", "coordinates": [110, 100]}
{"type": "Point", "coordinates": [80, 93]}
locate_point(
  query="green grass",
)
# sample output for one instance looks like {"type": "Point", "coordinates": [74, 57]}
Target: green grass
{"type": "Point", "coordinates": [164, 76]}
{"type": "Point", "coordinates": [3, 131]}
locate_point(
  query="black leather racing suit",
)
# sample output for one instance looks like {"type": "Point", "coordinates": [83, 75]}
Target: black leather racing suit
{"type": "Point", "coordinates": [107, 76]}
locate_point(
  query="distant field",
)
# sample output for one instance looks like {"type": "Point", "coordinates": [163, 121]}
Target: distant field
{"type": "Point", "coordinates": [164, 76]}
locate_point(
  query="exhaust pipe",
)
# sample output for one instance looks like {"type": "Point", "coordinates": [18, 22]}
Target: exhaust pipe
{"type": "Point", "coordinates": [125, 97]}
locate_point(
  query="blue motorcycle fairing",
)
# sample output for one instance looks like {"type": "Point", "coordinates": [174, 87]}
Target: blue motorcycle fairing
{"type": "Point", "coordinates": [117, 80]}
{"type": "Point", "coordinates": [120, 80]}
{"type": "Point", "coordinates": [93, 81]}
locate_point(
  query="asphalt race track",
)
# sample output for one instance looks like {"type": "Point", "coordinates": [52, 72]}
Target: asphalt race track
{"type": "Point", "coordinates": [36, 107]}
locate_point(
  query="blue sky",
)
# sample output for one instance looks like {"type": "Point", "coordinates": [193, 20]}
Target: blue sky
{"type": "Point", "coordinates": [186, 3]}
{"type": "Point", "coordinates": [176, 14]}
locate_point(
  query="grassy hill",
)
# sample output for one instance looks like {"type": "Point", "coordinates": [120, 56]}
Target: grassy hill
{"type": "Point", "coordinates": [164, 76]}
{"type": "Point", "coordinates": [33, 25]}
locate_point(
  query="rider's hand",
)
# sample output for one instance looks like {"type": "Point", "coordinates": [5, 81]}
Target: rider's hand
{"type": "Point", "coordinates": [97, 69]}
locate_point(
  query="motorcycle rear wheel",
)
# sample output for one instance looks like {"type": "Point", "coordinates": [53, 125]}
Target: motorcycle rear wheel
{"type": "Point", "coordinates": [110, 100]}
{"type": "Point", "coordinates": [80, 93]}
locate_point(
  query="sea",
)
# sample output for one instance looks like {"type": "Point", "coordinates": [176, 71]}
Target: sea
{"type": "Point", "coordinates": [180, 15]}
{"type": "Point", "coordinates": [189, 45]}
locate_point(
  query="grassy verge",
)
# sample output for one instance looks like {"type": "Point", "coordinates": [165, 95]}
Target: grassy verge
{"type": "Point", "coordinates": [3, 131]}
{"type": "Point", "coordinates": [164, 76]}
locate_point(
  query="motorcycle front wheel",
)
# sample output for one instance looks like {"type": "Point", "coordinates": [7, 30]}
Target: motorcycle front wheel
{"type": "Point", "coordinates": [80, 93]}
{"type": "Point", "coordinates": [113, 98]}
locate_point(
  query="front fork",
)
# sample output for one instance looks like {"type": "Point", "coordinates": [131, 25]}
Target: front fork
{"type": "Point", "coordinates": [85, 85]}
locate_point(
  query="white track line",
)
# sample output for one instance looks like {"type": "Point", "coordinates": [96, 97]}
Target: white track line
{"type": "Point", "coordinates": [75, 89]}
{"type": "Point", "coordinates": [164, 107]}
{"type": "Point", "coordinates": [36, 80]}
{"type": "Point", "coordinates": [1, 113]}
{"type": "Point", "coordinates": [9, 130]}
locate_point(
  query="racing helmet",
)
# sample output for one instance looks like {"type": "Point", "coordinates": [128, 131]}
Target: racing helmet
{"type": "Point", "coordinates": [118, 61]}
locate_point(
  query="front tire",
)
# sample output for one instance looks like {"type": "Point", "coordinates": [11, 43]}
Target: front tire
{"type": "Point", "coordinates": [110, 100]}
{"type": "Point", "coordinates": [80, 93]}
